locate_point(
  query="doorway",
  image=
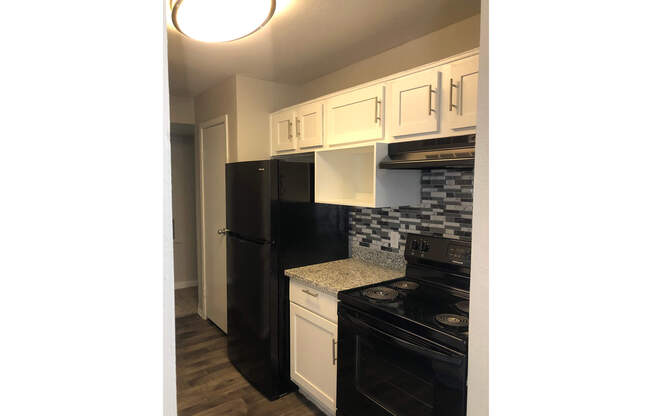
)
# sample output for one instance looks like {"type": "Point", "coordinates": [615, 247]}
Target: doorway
{"type": "Point", "coordinates": [184, 228]}
{"type": "Point", "coordinates": [212, 155]}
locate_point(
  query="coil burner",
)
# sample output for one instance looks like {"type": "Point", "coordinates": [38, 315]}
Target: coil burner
{"type": "Point", "coordinates": [453, 320]}
{"type": "Point", "coordinates": [380, 293]}
{"type": "Point", "coordinates": [405, 285]}
{"type": "Point", "coordinates": [463, 306]}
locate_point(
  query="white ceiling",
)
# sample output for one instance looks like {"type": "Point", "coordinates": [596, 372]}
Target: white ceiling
{"type": "Point", "coordinates": [309, 38]}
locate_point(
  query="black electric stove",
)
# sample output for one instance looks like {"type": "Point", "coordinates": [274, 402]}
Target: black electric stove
{"type": "Point", "coordinates": [402, 344]}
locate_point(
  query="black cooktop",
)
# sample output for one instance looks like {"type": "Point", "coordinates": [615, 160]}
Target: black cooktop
{"type": "Point", "coordinates": [432, 300]}
{"type": "Point", "coordinates": [431, 311]}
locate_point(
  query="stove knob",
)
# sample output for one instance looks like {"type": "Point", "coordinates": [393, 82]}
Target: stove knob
{"type": "Point", "coordinates": [424, 246]}
{"type": "Point", "coordinates": [415, 245]}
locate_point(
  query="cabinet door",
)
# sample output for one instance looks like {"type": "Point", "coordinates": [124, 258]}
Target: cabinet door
{"type": "Point", "coordinates": [283, 132]}
{"type": "Point", "coordinates": [309, 126]}
{"type": "Point", "coordinates": [356, 116]}
{"type": "Point", "coordinates": [313, 347]}
{"type": "Point", "coordinates": [416, 103]}
{"type": "Point", "coordinates": [463, 93]}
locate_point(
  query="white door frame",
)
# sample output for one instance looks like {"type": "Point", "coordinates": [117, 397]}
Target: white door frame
{"type": "Point", "coordinates": [201, 238]}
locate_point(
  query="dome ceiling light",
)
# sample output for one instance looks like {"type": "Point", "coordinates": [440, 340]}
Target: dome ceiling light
{"type": "Point", "coordinates": [220, 20]}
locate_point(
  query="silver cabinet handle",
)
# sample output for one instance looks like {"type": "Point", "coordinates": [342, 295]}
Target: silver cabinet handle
{"type": "Point", "coordinates": [222, 231]}
{"type": "Point", "coordinates": [450, 101]}
{"type": "Point", "coordinates": [430, 92]}
{"type": "Point", "coordinates": [376, 112]}
{"type": "Point", "coordinates": [298, 121]}
{"type": "Point", "coordinates": [307, 292]}
{"type": "Point", "coordinates": [289, 130]}
{"type": "Point", "coordinates": [334, 343]}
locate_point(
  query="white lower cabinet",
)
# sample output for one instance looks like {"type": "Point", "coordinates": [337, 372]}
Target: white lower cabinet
{"type": "Point", "coordinates": [313, 356]}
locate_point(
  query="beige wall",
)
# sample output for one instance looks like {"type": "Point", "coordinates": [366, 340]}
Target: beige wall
{"type": "Point", "coordinates": [182, 110]}
{"type": "Point", "coordinates": [183, 209]}
{"type": "Point", "coordinates": [255, 99]}
{"type": "Point", "coordinates": [451, 40]}
{"type": "Point", "coordinates": [217, 101]}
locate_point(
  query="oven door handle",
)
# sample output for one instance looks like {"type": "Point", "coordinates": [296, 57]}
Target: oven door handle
{"type": "Point", "coordinates": [436, 355]}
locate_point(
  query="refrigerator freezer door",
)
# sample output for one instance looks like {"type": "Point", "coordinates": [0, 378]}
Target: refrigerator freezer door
{"type": "Point", "coordinates": [252, 300]}
{"type": "Point", "coordinates": [250, 193]}
{"type": "Point", "coordinates": [295, 182]}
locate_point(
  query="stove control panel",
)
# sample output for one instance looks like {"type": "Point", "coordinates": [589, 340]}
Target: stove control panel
{"type": "Point", "coordinates": [438, 249]}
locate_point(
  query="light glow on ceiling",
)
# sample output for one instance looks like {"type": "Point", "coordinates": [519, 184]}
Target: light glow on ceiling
{"type": "Point", "coordinates": [220, 20]}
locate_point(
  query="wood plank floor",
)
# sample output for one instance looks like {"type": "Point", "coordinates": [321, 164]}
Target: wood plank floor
{"type": "Point", "coordinates": [207, 383]}
{"type": "Point", "coordinates": [185, 302]}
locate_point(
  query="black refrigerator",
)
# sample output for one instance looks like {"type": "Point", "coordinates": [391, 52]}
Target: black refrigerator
{"type": "Point", "coordinates": [273, 225]}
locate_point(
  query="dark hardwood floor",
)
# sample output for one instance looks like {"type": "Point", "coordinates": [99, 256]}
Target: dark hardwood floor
{"type": "Point", "coordinates": [207, 383]}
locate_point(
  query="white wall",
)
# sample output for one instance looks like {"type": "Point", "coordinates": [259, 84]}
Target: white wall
{"type": "Point", "coordinates": [217, 101]}
{"type": "Point", "coordinates": [255, 99]}
{"type": "Point", "coordinates": [451, 40]}
{"type": "Point", "coordinates": [182, 110]}
{"type": "Point", "coordinates": [183, 210]}
{"type": "Point", "coordinates": [247, 102]}
{"type": "Point", "coordinates": [478, 382]}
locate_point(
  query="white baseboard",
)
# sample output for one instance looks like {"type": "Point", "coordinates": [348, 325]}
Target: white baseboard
{"type": "Point", "coordinates": [182, 284]}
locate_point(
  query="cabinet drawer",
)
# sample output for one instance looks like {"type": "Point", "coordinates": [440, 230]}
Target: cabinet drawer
{"type": "Point", "coordinates": [316, 301]}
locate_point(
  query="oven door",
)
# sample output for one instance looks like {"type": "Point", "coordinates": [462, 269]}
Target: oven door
{"type": "Point", "coordinates": [383, 370]}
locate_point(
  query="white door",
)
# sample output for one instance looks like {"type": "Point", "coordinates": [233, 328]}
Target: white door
{"type": "Point", "coordinates": [416, 103]}
{"type": "Point", "coordinates": [213, 157]}
{"type": "Point", "coordinates": [463, 93]}
{"type": "Point", "coordinates": [283, 138]}
{"type": "Point", "coordinates": [313, 354]}
{"type": "Point", "coordinates": [355, 116]}
{"type": "Point", "coordinates": [309, 126]}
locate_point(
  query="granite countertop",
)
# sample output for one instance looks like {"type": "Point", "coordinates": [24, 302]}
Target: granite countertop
{"type": "Point", "coordinates": [334, 276]}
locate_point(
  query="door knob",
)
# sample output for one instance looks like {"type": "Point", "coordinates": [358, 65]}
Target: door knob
{"type": "Point", "coordinates": [222, 231]}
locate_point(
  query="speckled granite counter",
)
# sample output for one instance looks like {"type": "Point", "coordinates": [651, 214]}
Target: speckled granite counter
{"type": "Point", "coordinates": [334, 276]}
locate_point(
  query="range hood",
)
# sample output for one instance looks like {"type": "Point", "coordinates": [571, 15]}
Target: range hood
{"type": "Point", "coordinates": [455, 152]}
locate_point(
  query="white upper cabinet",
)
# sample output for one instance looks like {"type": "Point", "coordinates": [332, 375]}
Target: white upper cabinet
{"type": "Point", "coordinates": [416, 103]}
{"type": "Point", "coordinates": [435, 100]}
{"type": "Point", "coordinates": [355, 116]}
{"type": "Point", "coordinates": [463, 93]}
{"type": "Point", "coordinates": [309, 125]}
{"type": "Point", "coordinates": [283, 134]}
{"type": "Point", "coordinates": [350, 176]}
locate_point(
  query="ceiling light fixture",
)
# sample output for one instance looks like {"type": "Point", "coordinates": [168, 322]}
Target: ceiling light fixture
{"type": "Point", "coordinates": [220, 20]}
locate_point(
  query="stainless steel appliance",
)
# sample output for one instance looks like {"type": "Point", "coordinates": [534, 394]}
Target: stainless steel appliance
{"type": "Point", "coordinates": [402, 344]}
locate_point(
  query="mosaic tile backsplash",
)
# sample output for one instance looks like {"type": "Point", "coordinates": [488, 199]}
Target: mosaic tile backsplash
{"type": "Point", "coordinates": [445, 210]}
